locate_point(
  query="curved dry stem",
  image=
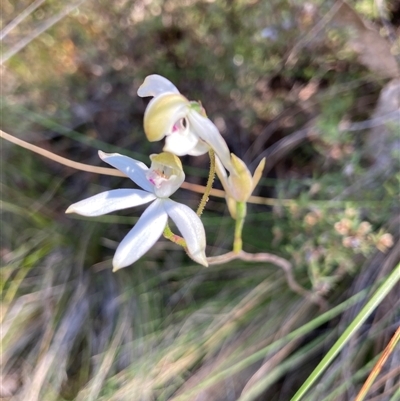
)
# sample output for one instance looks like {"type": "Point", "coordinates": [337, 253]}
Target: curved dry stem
{"type": "Point", "coordinates": [284, 264]}
{"type": "Point", "coordinates": [113, 172]}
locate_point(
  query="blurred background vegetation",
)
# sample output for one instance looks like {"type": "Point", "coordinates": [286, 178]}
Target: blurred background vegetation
{"type": "Point", "coordinates": [311, 85]}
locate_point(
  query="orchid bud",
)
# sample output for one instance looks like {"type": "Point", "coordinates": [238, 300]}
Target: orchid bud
{"type": "Point", "coordinates": [240, 184]}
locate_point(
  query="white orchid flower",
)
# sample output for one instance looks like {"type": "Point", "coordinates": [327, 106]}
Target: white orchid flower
{"type": "Point", "coordinates": [159, 182]}
{"type": "Point", "coordinates": [184, 123]}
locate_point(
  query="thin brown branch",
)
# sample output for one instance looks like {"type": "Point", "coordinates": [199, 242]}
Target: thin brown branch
{"type": "Point", "coordinates": [59, 159]}
{"type": "Point", "coordinates": [284, 264]}
{"type": "Point", "coordinates": [218, 193]}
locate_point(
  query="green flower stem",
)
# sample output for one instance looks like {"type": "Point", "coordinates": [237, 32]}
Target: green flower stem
{"type": "Point", "coordinates": [168, 234]}
{"type": "Point", "coordinates": [204, 198]}
{"type": "Point", "coordinates": [240, 216]}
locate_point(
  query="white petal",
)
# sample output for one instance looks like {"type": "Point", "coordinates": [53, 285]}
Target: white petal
{"type": "Point", "coordinates": [142, 237]}
{"type": "Point", "coordinates": [200, 148]}
{"type": "Point", "coordinates": [180, 144]}
{"type": "Point", "coordinates": [110, 201]}
{"type": "Point", "coordinates": [134, 169]}
{"type": "Point", "coordinates": [155, 85]}
{"type": "Point", "coordinates": [205, 129]}
{"type": "Point", "coordinates": [191, 228]}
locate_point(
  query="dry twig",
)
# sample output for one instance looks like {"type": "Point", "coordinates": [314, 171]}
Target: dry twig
{"type": "Point", "coordinates": [284, 264]}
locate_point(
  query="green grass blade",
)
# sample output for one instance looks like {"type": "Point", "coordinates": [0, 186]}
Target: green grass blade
{"type": "Point", "coordinates": [258, 355]}
{"type": "Point", "coordinates": [396, 395]}
{"type": "Point", "coordinates": [379, 295]}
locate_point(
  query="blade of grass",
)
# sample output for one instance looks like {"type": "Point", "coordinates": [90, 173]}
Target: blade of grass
{"type": "Point", "coordinates": [376, 299]}
{"type": "Point", "coordinates": [38, 31]}
{"type": "Point", "coordinates": [377, 368]}
{"type": "Point", "coordinates": [104, 368]}
{"type": "Point", "coordinates": [256, 356]}
{"type": "Point", "coordinates": [274, 375]}
{"type": "Point", "coordinates": [20, 17]}
{"type": "Point", "coordinates": [334, 378]}
{"type": "Point", "coordinates": [340, 390]}
{"type": "Point", "coordinates": [396, 395]}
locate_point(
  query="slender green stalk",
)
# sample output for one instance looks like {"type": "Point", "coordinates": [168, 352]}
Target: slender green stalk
{"type": "Point", "coordinates": [240, 216]}
{"type": "Point", "coordinates": [211, 176]}
{"type": "Point", "coordinates": [168, 234]}
{"type": "Point", "coordinates": [376, 299]}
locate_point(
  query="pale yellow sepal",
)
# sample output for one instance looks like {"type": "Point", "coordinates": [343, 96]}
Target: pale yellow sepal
{"type": "Point", "coordinates": [258, 173]}
{"type": "Point", "coordinates": [240, 180]}
{"type": "Point", "coordinates": [231, 203]}
{"type": "Point", "coordinates": [162, 113]}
